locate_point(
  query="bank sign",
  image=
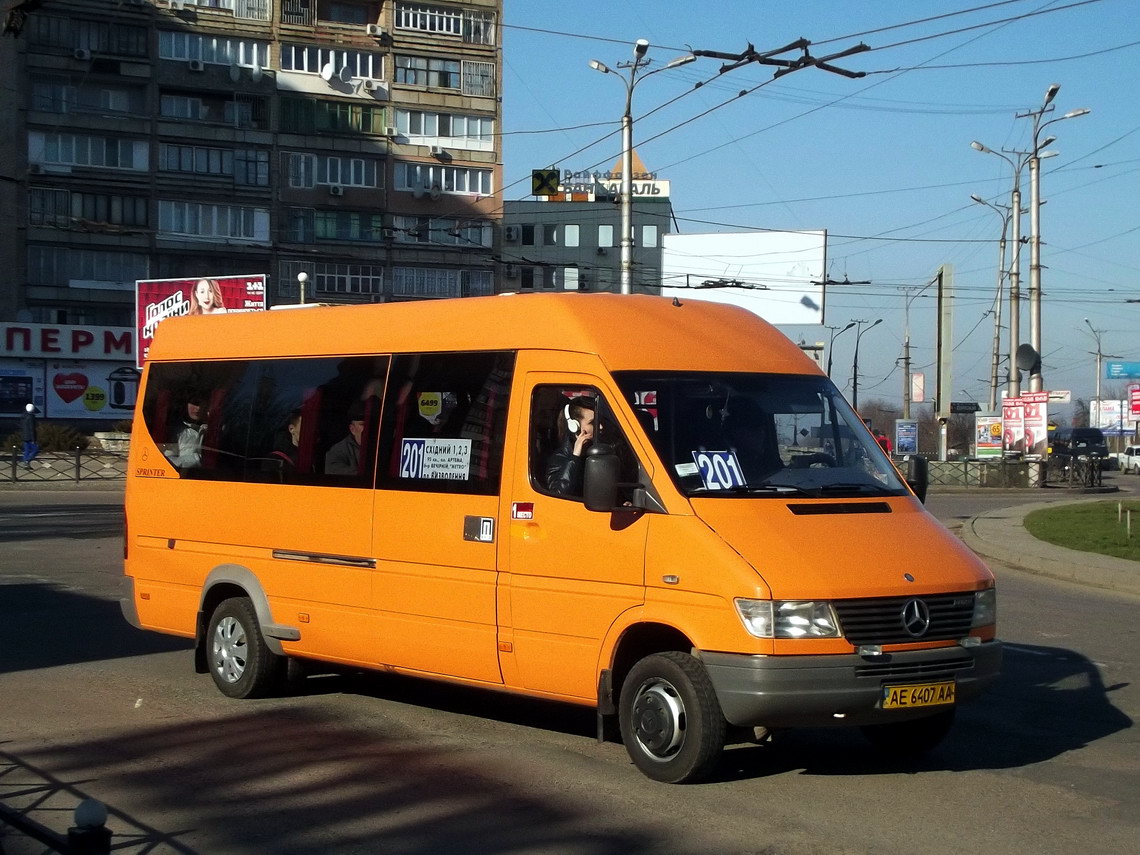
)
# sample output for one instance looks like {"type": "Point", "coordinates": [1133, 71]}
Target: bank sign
{"type": "Point", "coordinates": [68, 372]}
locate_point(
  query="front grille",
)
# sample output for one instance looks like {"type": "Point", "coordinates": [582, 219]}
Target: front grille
{"type": "Point", "coordinates": [879, 620]}
{"type": "Point", "coordinates": [936, 669]}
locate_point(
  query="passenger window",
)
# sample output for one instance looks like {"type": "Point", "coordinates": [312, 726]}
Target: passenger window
{"type": "Point", "coordinates": [303, 421]}
{"type": "Point", "coordinates": [565, 421]}
{"type": "Point", "coordinates": [444, 425]}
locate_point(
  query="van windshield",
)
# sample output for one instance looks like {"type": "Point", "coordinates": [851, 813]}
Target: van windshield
{"type": "Point", "coordinates": [758, 435]}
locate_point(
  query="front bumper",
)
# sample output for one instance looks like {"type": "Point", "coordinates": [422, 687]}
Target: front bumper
{"type": "Point", "coordinates": [847, 689]}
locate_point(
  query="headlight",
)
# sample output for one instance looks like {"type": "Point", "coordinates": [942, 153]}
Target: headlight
{"type": "Point", "coordinates": [788, 618]}
{"type": "Point", "coordinates": [985, 608]}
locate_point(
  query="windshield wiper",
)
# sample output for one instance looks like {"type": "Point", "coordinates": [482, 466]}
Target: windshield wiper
{"type": "Point", "coordinates": [749, 490]}
{"type": "Point", "coordinates": [855, 487]}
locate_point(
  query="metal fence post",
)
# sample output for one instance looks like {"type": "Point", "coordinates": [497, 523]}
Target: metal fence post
{"type": "Point", "coordinates": [13, 464]}
{"type": "Point", "coordinates": [78, 451]}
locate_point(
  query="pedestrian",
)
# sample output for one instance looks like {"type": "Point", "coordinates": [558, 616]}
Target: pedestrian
{"type": "Point", "coordinates": [28, 434]}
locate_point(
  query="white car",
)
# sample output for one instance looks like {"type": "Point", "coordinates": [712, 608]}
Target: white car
{"type": "Point", "coordinates": [1129, 459]}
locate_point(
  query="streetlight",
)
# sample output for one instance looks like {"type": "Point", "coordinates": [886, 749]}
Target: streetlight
{"type": "Point", "coordinates": [1005, 212]}
{"type": "Point", "coordinates": [831, 343]}
{"type": "Point", "coordinates": [1100, 355]}
{"type": "Point", "coordinates": [1014, 264]}
{"type": "Point", "coordinates": [855, 362]}
{"type": "Point", "coordinates": [302, 278]}
{"type": "Point", "coordinates": [906, 346]}
{"type": "Point", "coordinates": [1036, 383]}
{"type": "Point", "coordinates": [640, 47]}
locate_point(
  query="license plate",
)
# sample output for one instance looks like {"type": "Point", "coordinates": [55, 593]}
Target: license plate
{"type": "Point", "coordinates": [920, 695]}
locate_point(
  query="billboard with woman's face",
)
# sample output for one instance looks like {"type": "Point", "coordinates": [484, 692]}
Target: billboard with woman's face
{"type": "Point", "coordinates": [157, 299]}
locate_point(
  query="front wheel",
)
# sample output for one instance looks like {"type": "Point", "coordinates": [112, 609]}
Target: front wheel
{"type": "Point", "coordinates": [912, 737]}
{"type": "Point", "coordinates": [671, 721]}
{"type": "Point", "coordinates": [241, 663]}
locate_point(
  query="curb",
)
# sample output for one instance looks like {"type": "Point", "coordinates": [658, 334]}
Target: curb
{"type": "Point", "coordinates": [1001, 535]}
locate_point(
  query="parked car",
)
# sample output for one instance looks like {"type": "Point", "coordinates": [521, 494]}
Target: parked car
{"type": "Point", "coordinates": [1129, 459]}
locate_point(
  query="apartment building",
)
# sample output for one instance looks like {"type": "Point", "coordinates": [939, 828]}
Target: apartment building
{"type": "Point", "coordinates": [571, 241]}
{"type": "Point", "coordinates": [355, 141]}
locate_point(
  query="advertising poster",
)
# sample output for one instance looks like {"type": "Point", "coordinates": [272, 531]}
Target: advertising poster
{"type": "Point", "coordinates": [158, 299]}
{"type": "Point", "coordinates": [90, 390]}
{"type": "Point", "coordinates": [1035, 423]}
{"type": "Point", "coordinates": [1013, 425]}
{"type": "Point", "coordinates": [987, 436]}
{"type": "Point", "coordinates": [21, 383]}
{"type": "Point", "coordinates": [906, 436]}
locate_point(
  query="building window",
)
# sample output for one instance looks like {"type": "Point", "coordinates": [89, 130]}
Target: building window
{"type": "Point", "coordinates": [456, 180]}
{"type": "Point", "coordinates": [446, 129]}
{"type": "Point", "coordinates": [527, 233]}
{"type": "Point", "coordinates": [431, 282]}
{"type": "Point", "coordinates": [49, 207]}
{"type": "Point", "coordinates": [59, 95]}
{"type": "Point", "coordinates": [303, 115]}
{"type": "Point", "coordinates": [307, 170]}
{"type": "Point", "coordinates": [99, 37]}
{"type": "Point", "coordinates": [472, 26]}
{"type": "Point", "coordinates": [60, 266]}
{"type": "Point", "coordinates": [84, 150]}
{"type": "Point", "coordinates": [310, 59]}
{"type": "Point", "coordinates": [347, 225]}
{"type": "Point", "coordinates": [251, 167]}
{"type": "Point", "coordinates": [428, 71]}
{"type": "Point", "coordinates": [570, 234]}
{"type": "Point", "coordinates": [649, 236]}
{"type": "Point", "coordinates": [442, 231]}
{"type": "Point", "coordinates": [526, 279]}
{"type": "Point", "coordinates": [605, 236]}
{"type": "Point", "coordinates": [253, 10]}
{"type": "Point", "coordinates": [570, 278]}
{"type": "Point", "coordinates": [550, 234]}
{"type": "Point", "coordinates": [181, 107]}
{"type": "Point", "coordinates": [214, 50]}
{"type": "Point", "coordinates": [203, 220]}
{"type": "Point", "coordinates": [195, 159]}
{"type": "Point", "coordinates": [479, 79]}
{"type": "Point", "coordinates": [328, 277]}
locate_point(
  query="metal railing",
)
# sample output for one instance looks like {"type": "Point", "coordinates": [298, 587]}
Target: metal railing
{"type": "Point", "coordinates": [63, 466]}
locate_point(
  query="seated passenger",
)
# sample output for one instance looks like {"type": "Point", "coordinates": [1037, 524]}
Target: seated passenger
{"type": "Point", "coordinates": [285, 448]}
{"type": "Point", "coordinates": [563, 471]}
{"type": "Point", "coordinates": [343, 458]}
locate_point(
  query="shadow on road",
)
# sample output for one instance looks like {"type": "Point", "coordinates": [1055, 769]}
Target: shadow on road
{"type": "Point", "coordinates": [44, 626]}
{"type": "Point", "coordinates": [38, 522]}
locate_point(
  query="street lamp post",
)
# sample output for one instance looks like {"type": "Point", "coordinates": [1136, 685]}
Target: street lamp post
{"type": "Point", "coordinates": [1006, 213]}
{"type": "Point", "coordinates": [859, 331]}
{"type": "Point", "coordinates": [1014, 265]}
{"type": "Point", "coordinates": [640, 47]}
{"type": "Point", "coordinates": [302, 278]}
{"type": "Point", "coordinates": [836, 332]}
{"type": "Point", "coordinates": [906, 347]}
{"type": "Point", "coordinates": [1036, 382]}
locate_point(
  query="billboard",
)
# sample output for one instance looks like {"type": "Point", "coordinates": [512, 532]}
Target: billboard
{"type": "Point", "coordinates": [776, 275]}
{"type": "Point", "coordinates": [158, 299]}
{"type": "Point", "coordinates": [987, 436]}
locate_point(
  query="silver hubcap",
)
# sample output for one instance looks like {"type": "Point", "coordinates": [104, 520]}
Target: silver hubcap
{"type": "Point", "coordinates": [659, 719]}
{"type": "Point", "coordinates": [229, 649]}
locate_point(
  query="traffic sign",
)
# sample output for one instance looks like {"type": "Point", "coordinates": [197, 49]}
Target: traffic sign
{"type": "Point", "coordinates": [544, 182]}
{"type": "Point", "coordinates": [965, 407]}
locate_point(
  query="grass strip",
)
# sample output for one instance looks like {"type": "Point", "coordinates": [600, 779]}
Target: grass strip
{"type": "Point", "coordinates": [1089, 527]}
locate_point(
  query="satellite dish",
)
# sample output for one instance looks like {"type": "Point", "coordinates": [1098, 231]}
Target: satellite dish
{"type": "Point", "coordinates": [255, 74]}
{"type": "Point", "coordinates": [435, 192]}
{"type": "Point", "coordinates": [327, 72]}
{"type": "Point", "coordinates": [235, 72]}
{"type": "Point", "coordinates": [1028, 359]}
{"type": "Point", "coordinates": [344, 75]}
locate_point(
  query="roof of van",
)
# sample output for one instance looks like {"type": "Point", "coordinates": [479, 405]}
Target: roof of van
{"type": "Point", "coordinates": [628, 332]}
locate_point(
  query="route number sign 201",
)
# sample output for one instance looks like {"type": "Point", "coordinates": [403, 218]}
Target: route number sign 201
{"type": "Point", "coordinates": [720, 470]}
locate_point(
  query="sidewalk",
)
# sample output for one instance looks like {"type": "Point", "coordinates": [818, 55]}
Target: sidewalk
{"type": "Point", "coordinates": [1001, 535]}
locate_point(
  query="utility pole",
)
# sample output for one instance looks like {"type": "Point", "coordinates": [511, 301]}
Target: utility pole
{"type": "Point", "coordinates": [1006, 214]}
{"type": "Point", "coordinates": [859, 331]}
{"type": "Point", "coordinates": [831, 343]}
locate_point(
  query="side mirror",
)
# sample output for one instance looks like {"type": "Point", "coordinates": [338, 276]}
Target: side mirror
{"type": "Point", "coordinates": [918, 475]}
{"type": "Point", "coordinates": [600, 472]}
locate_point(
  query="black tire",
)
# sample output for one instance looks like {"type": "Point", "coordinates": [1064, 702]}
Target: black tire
{"type": "Point", "coordinates": [240, 661]}
{"type": "Point", "coordinates": [671, 721]}
{"type": "Point", "coordinates": [912, 737]}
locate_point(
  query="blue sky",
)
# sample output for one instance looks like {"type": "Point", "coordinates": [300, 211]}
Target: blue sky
{"type": "Point", "coordinates": [883, 163]}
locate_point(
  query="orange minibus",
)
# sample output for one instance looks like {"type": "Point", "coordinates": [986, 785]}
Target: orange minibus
{"type": "Point", "coordinates": [657, 508]}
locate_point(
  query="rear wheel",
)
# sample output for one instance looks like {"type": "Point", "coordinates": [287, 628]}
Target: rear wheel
{"type": "Point", "coordinates": [671, 721]}
{"type": "Point", "coordinates": [241, 663]}
{"type": "Point", "coordinates": [910, 738]}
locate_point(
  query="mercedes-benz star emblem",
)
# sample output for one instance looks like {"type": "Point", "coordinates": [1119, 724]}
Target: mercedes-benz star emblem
{"type": "Point", "coordinates": [916, 618]}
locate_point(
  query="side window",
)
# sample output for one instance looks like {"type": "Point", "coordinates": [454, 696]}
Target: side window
{"type": "Point", "coordinates": [444, 426]}
{"type": "Point", "coordinates": [564, 422]}
{"type": "Point", "coordinates": [305, 421]}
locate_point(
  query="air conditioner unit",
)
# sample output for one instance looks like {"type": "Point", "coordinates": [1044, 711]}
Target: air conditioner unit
{"type": "Point", "coordinates": [178, 4]}
{"type": "Point", "coordinates": [336, 190]}
{"type": "Point", "coordinates": [511, 271]}
{"type": "Point", "coordinates": [375, 30]}
{"type": "Point", "coordinates": [388, 233]}
{"type": "Point", "coordinates": [511, 232]}
{"type": "Point", "coordinates": [81, 54]}
{"type": "Point", "coordinates": [35, 169]}
{"type": "Point", "coordinates": [196, 65]}
{"type": "Point", "coordinates": [391, 131]}
{"type": "Point", "coordinates": [371, 85]}
{"type": "Point", "coordinates": [437, 151]}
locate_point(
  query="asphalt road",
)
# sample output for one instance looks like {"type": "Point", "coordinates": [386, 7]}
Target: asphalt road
{"type": "Point", "coordinates": [1046, 763]}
